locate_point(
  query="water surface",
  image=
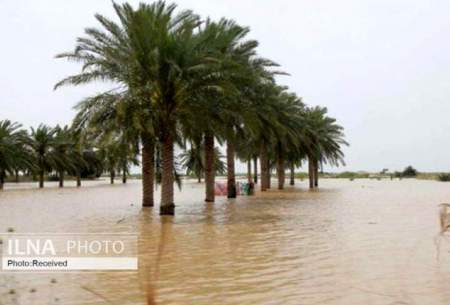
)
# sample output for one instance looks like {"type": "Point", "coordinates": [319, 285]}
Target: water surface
{"type": "Point", "coordinates": [360, 242]}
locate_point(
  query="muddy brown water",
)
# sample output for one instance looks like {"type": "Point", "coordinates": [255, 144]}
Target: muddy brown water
{"type": "Point", "coordinates": [351, 242]}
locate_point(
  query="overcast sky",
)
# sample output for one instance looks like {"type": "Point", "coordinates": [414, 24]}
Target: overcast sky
{"type": "Point", "coordinates": [382, 67]}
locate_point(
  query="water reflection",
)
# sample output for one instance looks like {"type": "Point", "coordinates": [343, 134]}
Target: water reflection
{"type": "Point", "coordinates": [360, 242]}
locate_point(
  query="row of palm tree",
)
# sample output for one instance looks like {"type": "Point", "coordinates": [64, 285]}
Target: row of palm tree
{"type": "Point", "coordinates": [183, 81]}
{"type": "Point", "coordinates": [60, 150]}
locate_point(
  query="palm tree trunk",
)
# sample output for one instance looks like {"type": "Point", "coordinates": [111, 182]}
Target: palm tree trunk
{"type": "Point", "coordinates": [311, 172]}
{"type": "Point", "coordinates": [61, 178]}
{"type": "Point", "coordinates": [78, 179]}
{"type": "Point", "coordinates": [199, 178]}
{"type": "Point", "coordinates": [316, 174]}
{"type": "Point", "coordinates": [249, 171]}
{"type": "Point", "coordinates": [148, 171]}
{"type": "Point", "coordinates": [292, 169]}
{"type": "Point", "coordinates": [124, 174]}
{"type": "Point", "coordinates": [2, 179]}
{"type": "Point", "coordinates": [255, 169]}
{"type": "Point", "coordinates": [280, 172]}
{"type": "Point", "coordinates": [264, 167]}
{"type": "Point", "coordinates": [17, 175]}
{"type": "Point", "coordinates": [41, 179]}
{"type": "Point", "coordinates": [231, 178]}
{"type": "Point", "coordinates": [112, 175]}
{"type": "Point", "coordinates": [209, 167]}
{"type": "Point", "coordinates": [167, 178]}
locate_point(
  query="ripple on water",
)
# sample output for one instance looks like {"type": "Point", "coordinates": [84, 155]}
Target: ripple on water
{"type": "Point", "coordinates": [360, 242]}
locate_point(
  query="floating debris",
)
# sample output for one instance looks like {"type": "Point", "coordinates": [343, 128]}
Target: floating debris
{"type": "Point", "coordinates": [10, 230]}
{"type": "Point", "coordinates": [32, 290]}
{"type": "Point", "coordinates": [12, 291]}
{"type": "Point", "coordinates": [53, 281]}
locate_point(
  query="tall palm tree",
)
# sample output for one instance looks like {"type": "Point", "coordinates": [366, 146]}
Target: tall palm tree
{"type": "Point", "coordinates": [42, 141]}
{"type": "Point", "coordinates": [263, 124]}
{"type": "Point", "coordinates": [113, 54]}
{"type": "Point", "coordinates": [289, 138]}
{"type": "Point", "coordinates": [159, 59]}
{"type": "Point", "coordinates": [13, 152]}
{"type": "Point", "coordinates": [326, 138]}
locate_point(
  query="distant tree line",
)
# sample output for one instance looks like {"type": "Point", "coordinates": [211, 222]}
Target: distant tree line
{"type": "Point", "coordinates": [56, 152]}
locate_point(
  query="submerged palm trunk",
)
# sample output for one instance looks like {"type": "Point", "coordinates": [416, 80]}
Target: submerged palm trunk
{"type": "Point", "coordinates": [17, 175]}
{"type": "Point", "coordinates": [255, 169]}
{"type": "Point", "coordinates": [112, 175]}
{"type": "Point", "coordinates": [316, 174]}
{"type": "Point", "coordinates": [292, 172]}
{"type": "Point", "coordinates": [41, 179]}
{"type": "Point", "coordinates": [249, 171]}
{"type": "Point", "coordinates": [264, 167]}
{"type": "Point", "coordinates": [78, 179]}
{"type": "Point", "coordinates": [167, 177]}
{"type": "Point", "coordinates": [124, 174]}
{"type": "Point", "coordinates": [209, 167]}
{"type": "Point", "coordinates": [61, 179]}
{"type": "Point", "coordinates": [231, 178]}
{"type": "Point", "coordinates": [2, 179]}
{"type": "Point", "coordinates": [280, 172]}
{"type": "Point", "coordinates": [148, 171]}
{"type": "Point", "coordinates": [311, 172]}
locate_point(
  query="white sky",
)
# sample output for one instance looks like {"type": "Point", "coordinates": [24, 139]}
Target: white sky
{"type": "Point", "coordinates": [382, 67]}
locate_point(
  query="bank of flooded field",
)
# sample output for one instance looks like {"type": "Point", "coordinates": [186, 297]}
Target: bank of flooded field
{"type": "Point", "coordinates": [351, 242]}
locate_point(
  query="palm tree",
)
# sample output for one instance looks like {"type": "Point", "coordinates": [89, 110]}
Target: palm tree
{"type": "Point", "coordinates": [127, 153]}
{"type": "Point", "coordinates": [192, 160]}
{"type": "Point", "coordinates": [63, 151]}
{"type": "Point", "coordinates": [220, 167]}
{"type": "Point", "coordinates": [289, 138]}
{"type": "Point", "coordinates": [326, 138]}
{"type": "Point", "coordinates": [13, 152]}
{"type": "Point", "coordinates": [77, 153]}
{"type": "Point", "coordinates": [160, 60]}
{"type": "Point", "coordinates": [41, 144]}
{"type": "Point", "coordinates": [245, 151]}
{"type": "Point", "coordinates": [109, 152]}
{"type": "Point", "coordinates": [176, 79]}
{"type": "Point", "coordinates": [294, 159]}
{"type": "Point", "coordinates": [263, 124]}
{"type": "Point", "coordinates": [113, 54]}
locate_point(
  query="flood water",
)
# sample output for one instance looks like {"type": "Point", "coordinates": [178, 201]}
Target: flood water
{"type": "Point", "coordinates": [351, 242]}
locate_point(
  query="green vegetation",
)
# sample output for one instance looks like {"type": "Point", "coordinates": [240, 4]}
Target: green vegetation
{"type": "Point", "coordinates": [351, 175]}
{"type": "Point", "coordinates": [182, 81]}
{"type": "Point", "coordinates": [444, 177]}
{"type": "Point", "coordinates": [48, 153]}
{"type": "Point", "coordinates": [409, 172]}
{"type": "Point", "coordinates": [193, 161]}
